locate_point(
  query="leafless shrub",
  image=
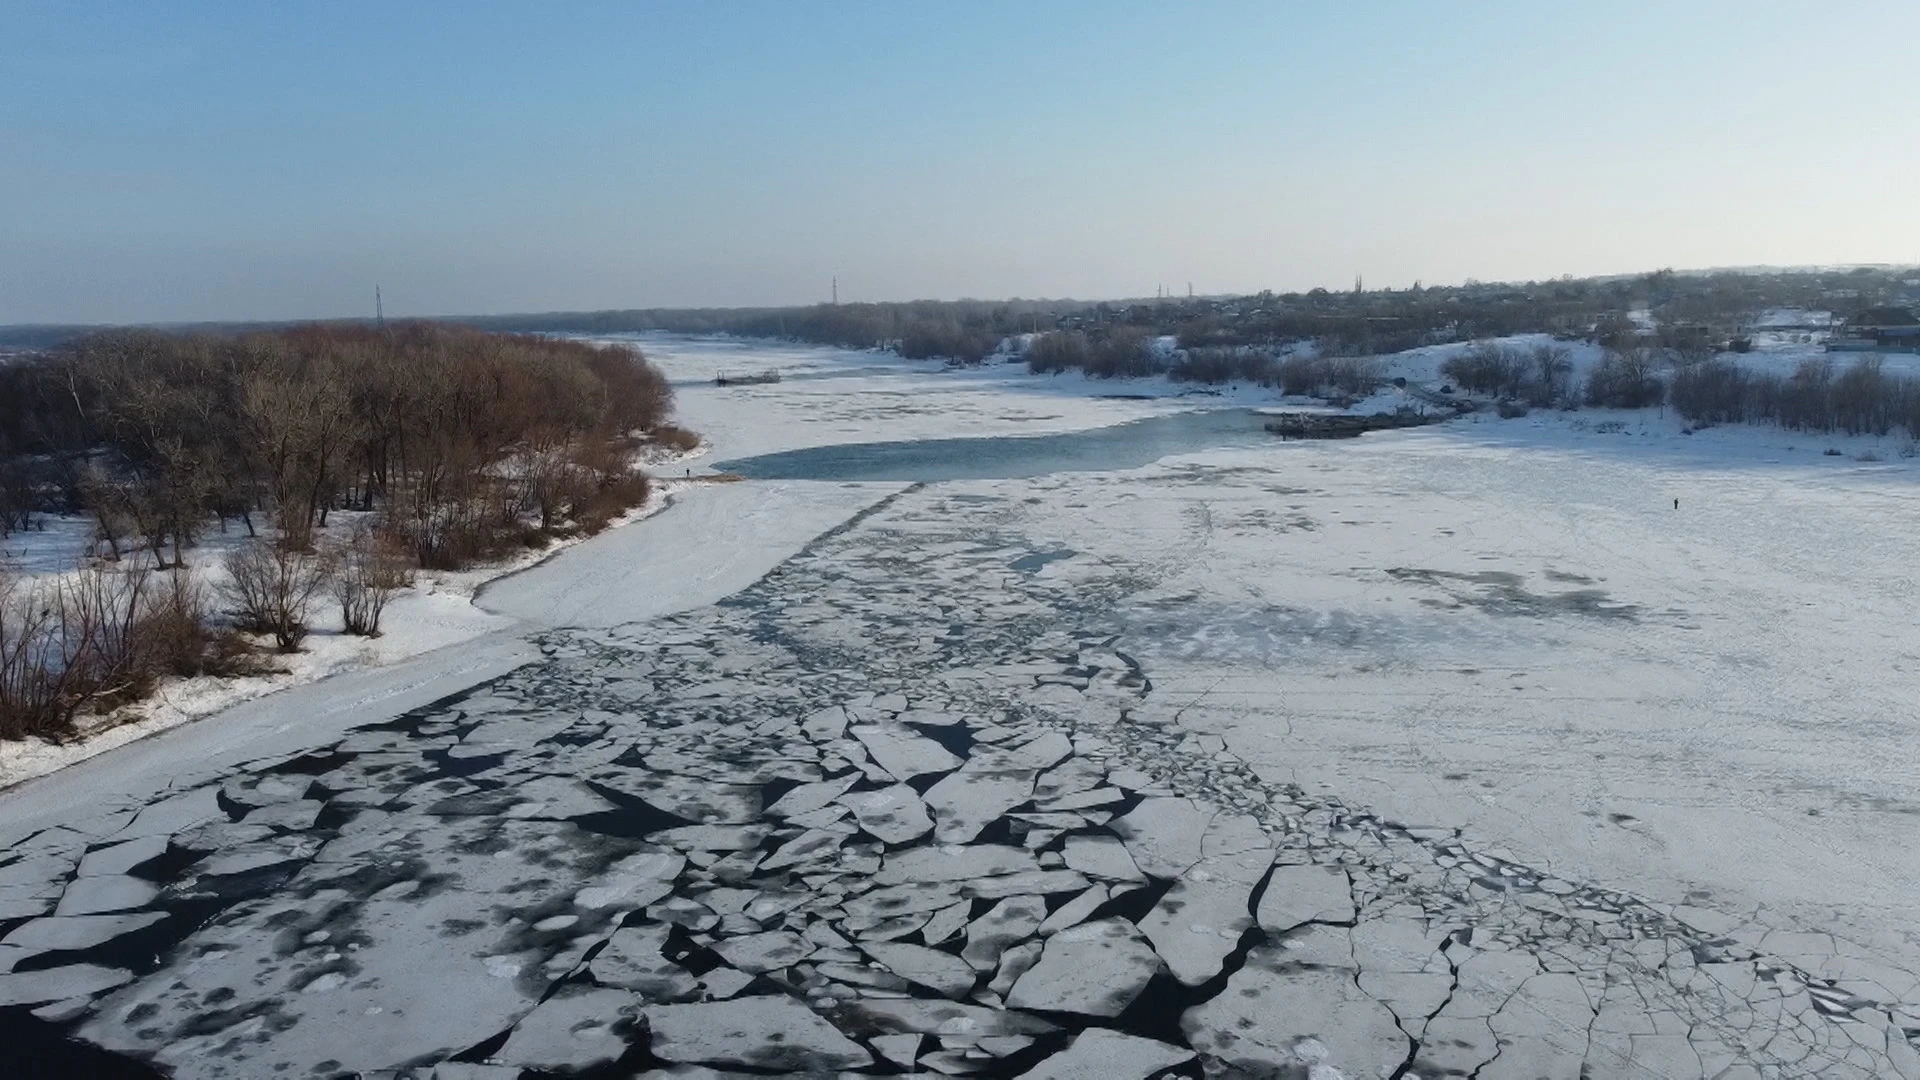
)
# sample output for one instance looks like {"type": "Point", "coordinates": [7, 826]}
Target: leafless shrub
{"type": "Point", "coordinates": [449, 531]}
{"type": "Point", "coordinates": [946, 338]}
{"type": "Point", "coordinates": [1488, 369]}
{"type": "Point", "coordinates": [104, 611]}
{"type": "Point", "coordinates": [272, 588]}
{"type": "Point", "coordinates": [1352, 376]}
{"type": "Point", "coordinates": [175, 630]}
{"type": "Point", "coordinates": [68, 642]}
{"type": "Point", "coordinates": [369, 568]}
{"type": "Point", "coordinates": [1625, 379]}
{"type": "Point", "coordinates": [1297, 376]}
{"type": "Point", "coordinates": [1057, 351]}
{"type": "Point", "coordinates": [1221, 364]}
{"type": "Point", "coordinates": [611, 498]}
{"type": "Point", "coordinates": [675, 437]}
{"type": "Point", "coordinates": [1356, 375]}
{"type": "Point", "coordinates": [1550, 379]}
{"type": "Point", "coordinates": [1123, 352]}
{"type": "Point", "coordinates": [1716, 391]}
{"type": "Point", "coordinates": [1541, 376]}
{"type": "Point", "coordinates": [553, 483]}
{"type": "Point", "coordinates": [33, 654]}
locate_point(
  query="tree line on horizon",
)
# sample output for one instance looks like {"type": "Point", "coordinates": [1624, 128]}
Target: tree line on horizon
{"type": "Point", "coordinates": [1340, 322]}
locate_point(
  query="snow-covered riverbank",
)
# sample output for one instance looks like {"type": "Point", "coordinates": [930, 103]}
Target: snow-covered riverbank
{"type": "Point", "coordinates": [436, 612]}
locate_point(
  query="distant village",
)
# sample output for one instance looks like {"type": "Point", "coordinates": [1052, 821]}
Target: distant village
{"type": "Point", "coordinates": [1850, 309]}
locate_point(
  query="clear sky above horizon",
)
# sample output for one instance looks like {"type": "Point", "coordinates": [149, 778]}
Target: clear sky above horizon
{"type": "Point", "coordinates": [186, 161]}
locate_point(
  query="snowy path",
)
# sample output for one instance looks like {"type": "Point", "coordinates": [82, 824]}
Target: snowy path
{"type": "Point", "coordinates": [1444, 754]}
{"type": "Point", "coordinates": [716, 540]}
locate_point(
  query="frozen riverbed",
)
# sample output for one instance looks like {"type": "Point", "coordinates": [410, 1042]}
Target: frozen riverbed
{"type": "Point", "coordinates": [1439, 753]}
{"type": "Point", "coordinates": [1128, 445]}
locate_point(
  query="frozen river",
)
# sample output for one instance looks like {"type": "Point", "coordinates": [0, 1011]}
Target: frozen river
{"type": "Point", "coordinates": [1127, 445]}
{"type": "Point", "coordinates": [1139, 746]}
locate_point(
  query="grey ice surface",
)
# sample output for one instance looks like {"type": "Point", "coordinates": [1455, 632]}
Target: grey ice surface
{"type": "Point", "coordinates": [899, 806]}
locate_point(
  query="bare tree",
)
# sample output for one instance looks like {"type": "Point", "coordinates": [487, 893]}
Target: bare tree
{"type": "Point", "coordinates": [110, 503]}
{"type": "Point", "coordinates": [301, 424]}
{"type": "Point", "coordinates": [17, 496]}
{"type": "Point", "coordinates": [369, 568]}
{"type": "Point", "coordinates": [271, 588]}
{"type": "Point", "coordinates": [1552, 378]}
{"type": "Point", "coordinates": [1625, 379]}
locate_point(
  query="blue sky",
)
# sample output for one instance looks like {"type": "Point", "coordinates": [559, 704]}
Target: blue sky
{"type": "Point", "coordinates": [223, 161]}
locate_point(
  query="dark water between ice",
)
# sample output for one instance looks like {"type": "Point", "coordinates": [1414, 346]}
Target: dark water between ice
{"type": "Point", "coordinates": [1121, 446]}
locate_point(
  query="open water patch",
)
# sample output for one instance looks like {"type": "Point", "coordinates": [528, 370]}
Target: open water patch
{"type": "Point", "coordinates": [1034, 563]}
{"type": "Point", "coordinates": [1118, 446]}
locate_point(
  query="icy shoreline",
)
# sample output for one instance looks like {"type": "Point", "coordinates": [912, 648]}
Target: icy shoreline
{"type": "Point", "coordinates": [438, 612]}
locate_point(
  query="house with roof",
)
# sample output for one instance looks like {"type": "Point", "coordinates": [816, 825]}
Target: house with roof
{"type": "Point", "coordinates": [1878, 329]}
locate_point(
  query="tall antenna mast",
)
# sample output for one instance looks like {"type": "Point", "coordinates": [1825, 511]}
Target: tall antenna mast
{"type": "Point", "coordinates": [379, 310]}
{"type": "Point", "coordinates": [836, 290]}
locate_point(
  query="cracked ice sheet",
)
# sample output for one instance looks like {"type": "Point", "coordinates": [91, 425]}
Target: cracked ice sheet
{"type": "Point", "coordinates": [1366, 652]}
{"type": "Point", "coordinates": [330, 954]}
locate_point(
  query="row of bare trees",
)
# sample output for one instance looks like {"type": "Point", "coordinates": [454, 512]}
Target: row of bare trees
{"type": "Point", "coordinates": [459, 440]}
{"type": "Point", "coordinates": [1627, 376]}
{"type": "Point", "coordinates": [1539, 376]}
{"type": "Point", "coordinates": [1862, 399]}
{"type": "Point", "coordinates": [98, 638]}
{"type": "Point", "coordinates": [1694, 311]}
{"type": "Point", "coordinates": [1126, 352]}
{"type": "Point", "coordinates": [1118, 352]}
{"type": "Point", "coordinates": [1859, 399]}
{"type": "Point", "coordinates": [104, 635]}
{"type": "Point", "coordinates": [272, 587]}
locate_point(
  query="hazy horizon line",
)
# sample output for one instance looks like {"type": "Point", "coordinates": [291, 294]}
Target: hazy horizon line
{"type": "Point", "coordinates": [1761, 268]}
